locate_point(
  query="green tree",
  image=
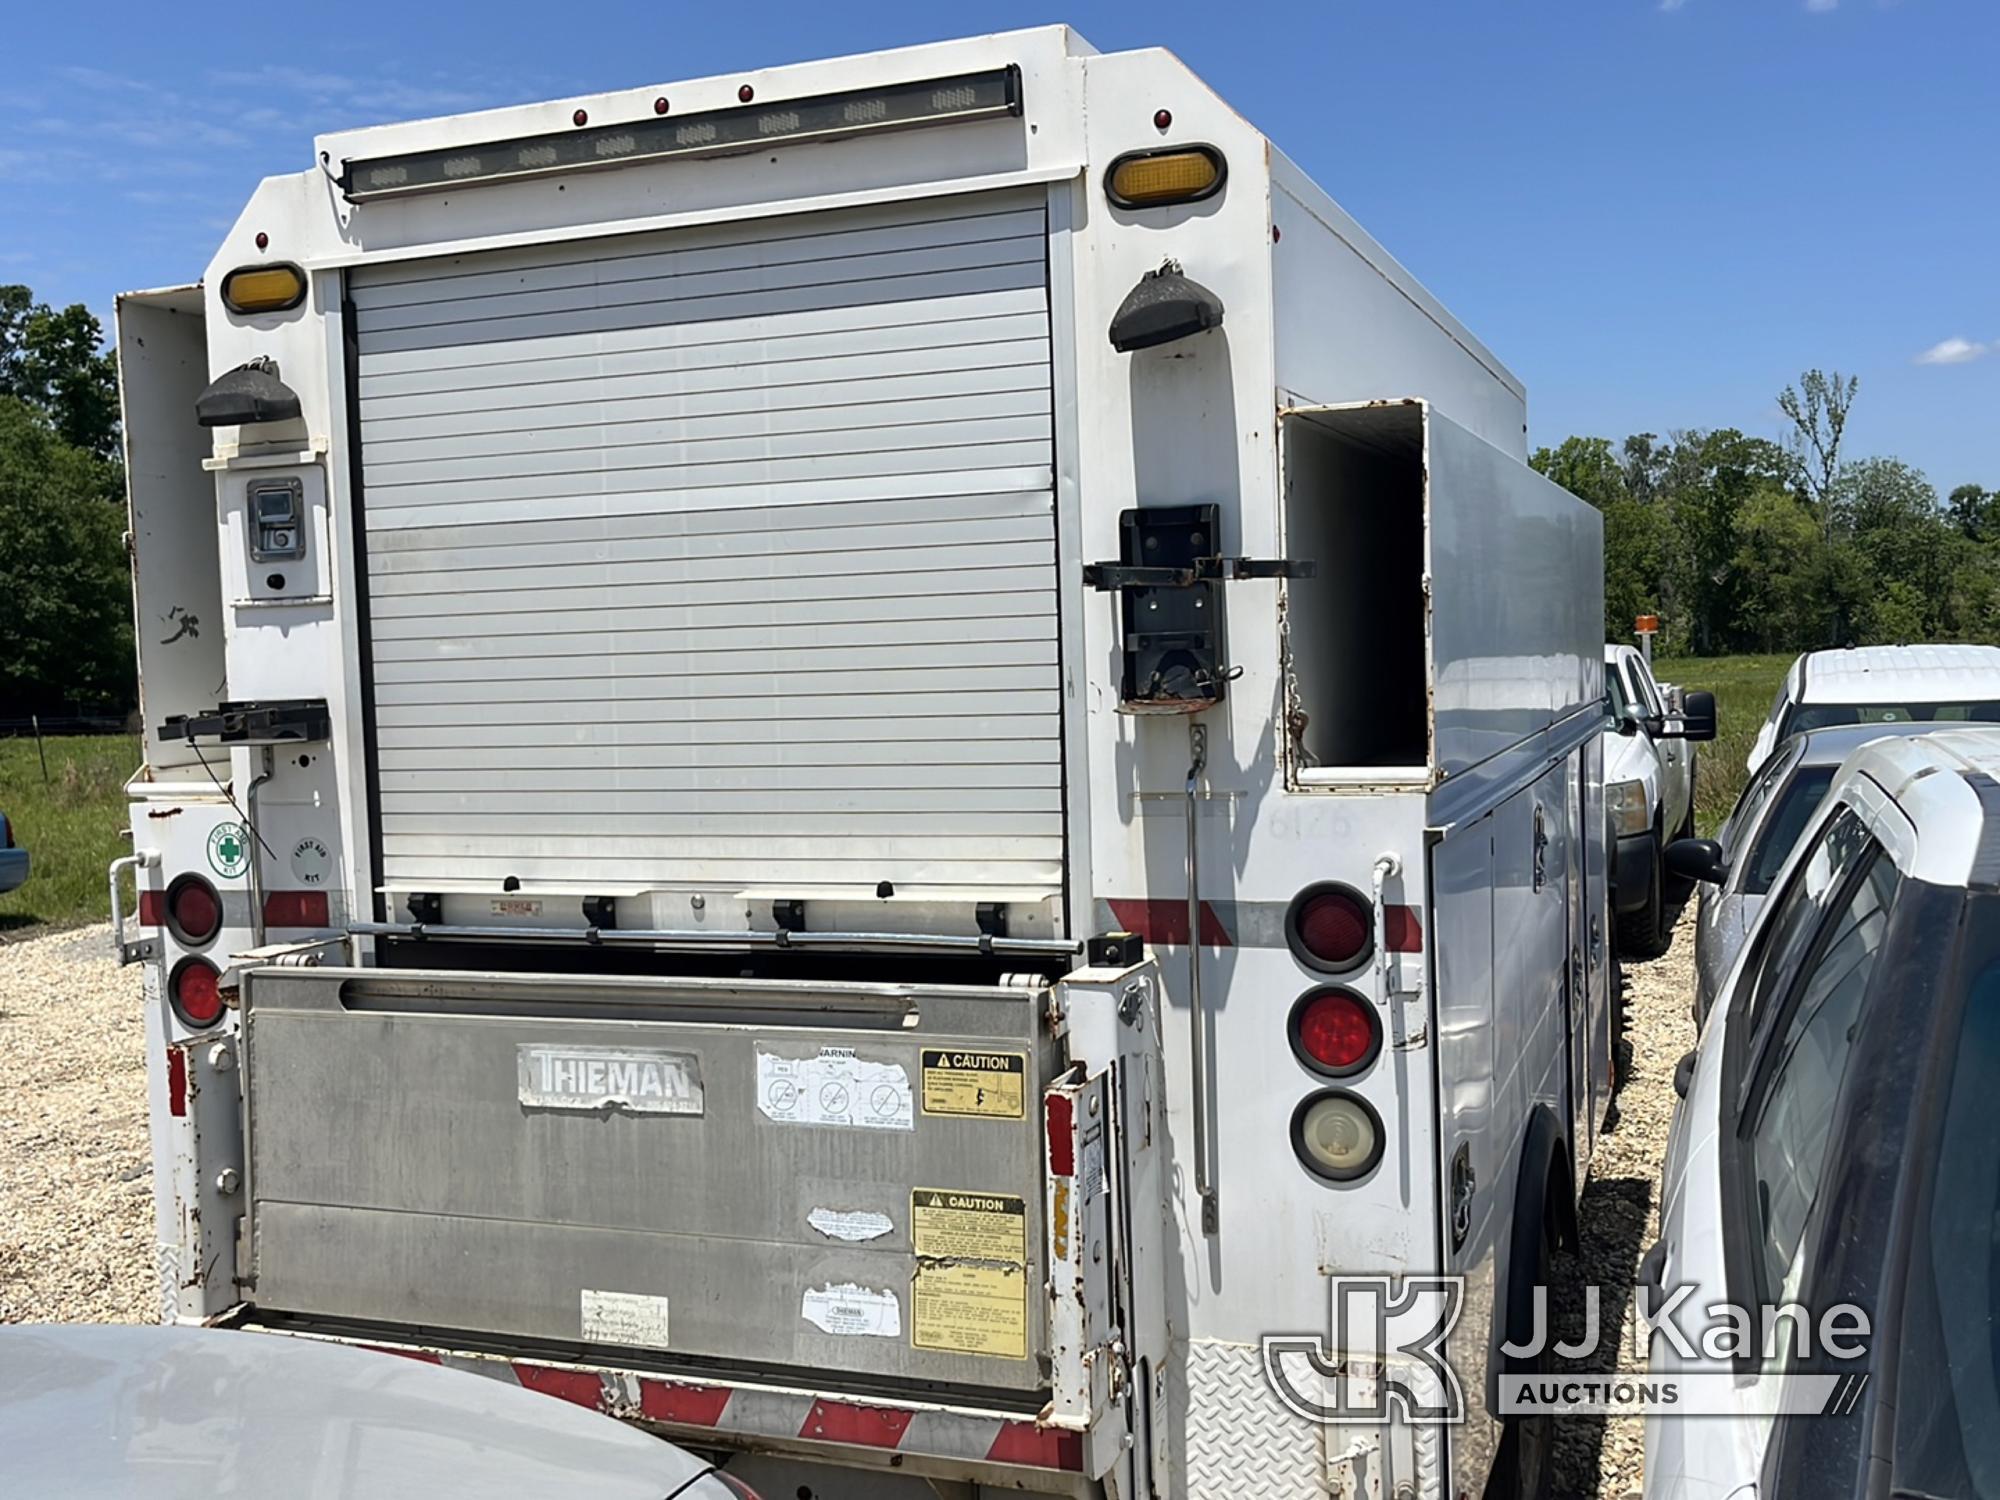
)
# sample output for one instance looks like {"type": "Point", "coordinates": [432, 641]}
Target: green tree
{"type": "Point", "coordinates": [53, 360]}
{"type": "Point", "coordinates": [1818, 408]}
{"type": "Point", "coordinates": [65, 630]}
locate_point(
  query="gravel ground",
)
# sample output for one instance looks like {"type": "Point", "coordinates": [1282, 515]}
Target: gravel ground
{"type": "Point", "coordinates": [76, 1208]}
{"type": "Point", "coordinates": [75, 1174]}
{"type": "Point", "coordinates": [1620, 1215]}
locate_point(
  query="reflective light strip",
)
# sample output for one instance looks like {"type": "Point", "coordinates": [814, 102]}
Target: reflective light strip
{"type": "Point", "coordinates": [1234, 924]}
{"type": "Point", "coordinates": [295, 909]}
{"type": "Point", "coordinates": [177, 1082]}
{"type": "Point", "coordinates": [715, 132]}
{"type": "Point", "coordinates": [281, 909]}
{"type": "Point", "coordinates": [727, 1410]}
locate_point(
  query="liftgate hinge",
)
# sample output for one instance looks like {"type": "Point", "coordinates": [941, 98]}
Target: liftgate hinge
{"type": "Point", "coordinates": [1170, 608]}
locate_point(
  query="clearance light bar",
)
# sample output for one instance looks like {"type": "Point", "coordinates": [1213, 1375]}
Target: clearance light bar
{"type": "Point", "coordinates": [716, 132]}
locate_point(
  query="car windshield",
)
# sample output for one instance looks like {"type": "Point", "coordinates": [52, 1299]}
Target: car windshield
{"type": "Point", "coordinates": [1793, 811]}
{"type": "Point", "coordinates": [1948, 1383]}
{"type": "Point", "coordinates": [1826, 715]}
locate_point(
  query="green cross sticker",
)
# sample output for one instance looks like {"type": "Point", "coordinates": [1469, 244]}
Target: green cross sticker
{"type": "Point", "coordinates": [228, 850]}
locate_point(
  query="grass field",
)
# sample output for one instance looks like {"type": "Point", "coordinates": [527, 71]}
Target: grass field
{"type": "Point", "coordinates": [69, 824]}
{"type": "Point", "coordinates": [1744, 687]}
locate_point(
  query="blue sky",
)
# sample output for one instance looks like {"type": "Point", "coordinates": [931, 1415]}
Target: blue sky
{"type": "Point", "coordinates": [1657, 211]}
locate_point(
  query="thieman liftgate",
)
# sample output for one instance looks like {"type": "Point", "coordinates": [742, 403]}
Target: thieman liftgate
{"type": "Point", "coordinates": [720, 689]}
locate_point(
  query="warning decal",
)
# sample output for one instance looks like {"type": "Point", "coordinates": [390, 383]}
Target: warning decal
{"type": "Point", "coordinates": [991, 1085]}
{"type": "Point", "coordinates": [970, 1292]}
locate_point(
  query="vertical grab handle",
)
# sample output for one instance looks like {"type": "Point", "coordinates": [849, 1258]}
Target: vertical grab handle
{"type": "Point", "coordinates": [1204, 1169]}
{"type": "Point", "coordinates": [145, 948]}
{"type": "Point", "coordinates": [1387, 868]}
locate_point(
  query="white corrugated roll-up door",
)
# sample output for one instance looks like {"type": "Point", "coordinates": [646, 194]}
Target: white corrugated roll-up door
{"type": "Point", "coordinates": [720, 557]}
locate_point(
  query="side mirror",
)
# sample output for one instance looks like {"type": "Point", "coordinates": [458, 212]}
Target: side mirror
{"type": "Point", "coordinates": [1697, 859]}
{"type": "Point", "coordinates": [1698, 717]}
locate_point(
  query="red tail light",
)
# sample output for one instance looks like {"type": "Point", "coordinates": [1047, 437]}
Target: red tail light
{"type": "Point", "coordinates": [194, 911]}
{"type": "Point", "coordinates": [1330, 927]}
{"type": "Point", "coordinates": [194, 990]}
{"type": "Point", "coordinates": [1335, 1032]}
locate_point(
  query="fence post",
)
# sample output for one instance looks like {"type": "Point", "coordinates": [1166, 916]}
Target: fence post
{"type": "Point", "coordinates": [40, 750]}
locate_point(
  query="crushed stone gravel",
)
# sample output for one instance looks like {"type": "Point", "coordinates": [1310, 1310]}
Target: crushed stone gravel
{"type": "Point", "coordinates": [76, 1185]}
{"type": "Point", "coordinates": [1619, 1218]}
{"type": "Point", "coordinates": [76, 1216]}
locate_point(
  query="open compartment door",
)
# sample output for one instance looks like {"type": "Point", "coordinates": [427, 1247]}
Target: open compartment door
{"type": "Point", "coordinates": [176, 562]}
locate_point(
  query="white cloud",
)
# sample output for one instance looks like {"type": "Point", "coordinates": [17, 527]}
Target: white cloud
{"type": "Point", "coordinates": [1672, 4]}
{"type": "Point", "coordinates": [1822, 5]}
{"type": "Point", "coordinates": [1954, 351]}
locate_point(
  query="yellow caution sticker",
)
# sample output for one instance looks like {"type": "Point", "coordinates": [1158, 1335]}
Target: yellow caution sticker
{"type": "Point", "coordinates": [970, 1292]}
{"type": "Point", "coordinates": [983, 1085]}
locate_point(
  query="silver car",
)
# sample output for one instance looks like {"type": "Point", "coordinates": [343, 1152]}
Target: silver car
{"type": "Point", "coordinates": [162, 1413]}
{"type": "Point", "coordinates": [1736, 867]}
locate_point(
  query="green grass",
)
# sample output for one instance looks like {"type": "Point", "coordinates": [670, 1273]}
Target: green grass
{"type": "Point", "coordinates": [1744, 687]}
{"type": "Point", "coordinates": [71, 825]}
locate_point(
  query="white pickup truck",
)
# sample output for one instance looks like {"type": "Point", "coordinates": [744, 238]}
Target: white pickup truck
{"type": "Point", "coordinates": [1649, 776]}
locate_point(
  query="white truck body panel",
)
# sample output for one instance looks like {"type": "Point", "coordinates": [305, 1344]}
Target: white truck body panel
{"type": "Point", "coordinates": [566, 660]}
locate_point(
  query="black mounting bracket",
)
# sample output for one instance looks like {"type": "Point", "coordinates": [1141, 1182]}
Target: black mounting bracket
{"type": "Point", "coordinates": [1170, 617]}
{"type": "Point", "coordinates": [277, 721]}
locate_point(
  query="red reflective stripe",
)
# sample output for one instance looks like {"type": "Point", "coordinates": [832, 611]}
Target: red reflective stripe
{"type": "Point", "coordinates": [1405, 933]}
{"type": "Point", "coordinates": [581, 1386]}
{"type": "Point", "coordinates": [295, 909]}
{"type": "Point", "coordinates": [177, 1082]}
{"type": "Point", "coordinates": [421, 1356]}
{"type": "Point", "coordinates": [689, 1405]}
{"type": "Point", "coordinates": [1038, 1447]}
{"type": "Point", "coordinates": [152, 908]}
{"type": "Point", "coordinates": [1165, 921]}
{"type": "Point", "coordinates": [869, 1426]}
{"type": "Point", "coordinates": [1062, 1142]}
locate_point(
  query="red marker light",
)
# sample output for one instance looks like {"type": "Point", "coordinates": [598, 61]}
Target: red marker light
{"type": "Point", "coordinates": [1162, 118]}
{"type": "Point", "coordinates": [579, 118]}
{"type": "Point", "coordinates": [660, 105]}
{"type": "Point", "coordinates": [195, 992]}
{"type": "Point", "coordinates": [746, 93]}
{"type": "Point", "coordinates": [1330, 928]}
{"type": "Point", "coordinates": [1335, 1032]}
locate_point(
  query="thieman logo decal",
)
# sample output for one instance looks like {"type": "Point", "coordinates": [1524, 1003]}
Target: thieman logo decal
{"type": "Point", "coordinates": [638, 1080]}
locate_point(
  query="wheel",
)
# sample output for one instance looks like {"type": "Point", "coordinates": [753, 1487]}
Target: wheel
{"type": "Point", "coordinates": [1524, 1468]}
{"type": "Point", "coordinates": [1644, 933]}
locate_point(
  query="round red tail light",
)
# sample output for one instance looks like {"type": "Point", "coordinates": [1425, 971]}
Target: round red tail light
{"type": "Point", "coordinates": [1335, 1032]}
{"type": "Point", "coordinates": [194, 990]}
{"type": "Point", "coordinates": [194, 911]}
{"type": "Point", "coordinates": [1330, 927]}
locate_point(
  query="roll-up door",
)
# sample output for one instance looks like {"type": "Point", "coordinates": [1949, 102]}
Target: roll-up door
{"type": "Point", "coordinates": [721, 556]}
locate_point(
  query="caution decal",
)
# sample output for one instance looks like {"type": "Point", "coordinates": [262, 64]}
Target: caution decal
{"type": "Point", "coordinates": [970, 1292]}
{"type": "Point", "coordinates": [982, 1085]}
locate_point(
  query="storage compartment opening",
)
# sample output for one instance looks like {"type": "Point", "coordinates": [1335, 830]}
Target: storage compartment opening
{"type": "Point", "coordinates": [1354, 505]}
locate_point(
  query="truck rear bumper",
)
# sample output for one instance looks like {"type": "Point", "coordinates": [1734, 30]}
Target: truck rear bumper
{"type": "Point", "coordinates": [1006, 1450]}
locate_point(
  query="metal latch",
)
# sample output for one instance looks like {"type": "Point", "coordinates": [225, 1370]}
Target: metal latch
{"type": "Point", "coordinates": [1170, 616]}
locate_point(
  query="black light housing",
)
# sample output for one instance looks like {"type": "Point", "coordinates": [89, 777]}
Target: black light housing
{"type": "Point", "coordinates": [1165, 306]}
{"type": "Point", "coordinates": [249, 393]}
{"type": "Point", "coordinates": [715, 132]}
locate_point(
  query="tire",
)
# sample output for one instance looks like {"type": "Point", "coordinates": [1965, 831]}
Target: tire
{"type": "Point", "coordinates": [1618, 1069]}
{"type": "Point", "coordinates": [1525, 1466]}
{"type": "Point", "coordinates": [1644, 933]}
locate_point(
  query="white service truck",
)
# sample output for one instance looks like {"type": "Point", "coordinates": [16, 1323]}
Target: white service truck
{"type": "Point", "coordinates": [864, 761]}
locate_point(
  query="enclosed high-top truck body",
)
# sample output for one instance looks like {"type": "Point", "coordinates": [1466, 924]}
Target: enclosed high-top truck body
{"type": "Point", "coordinates": [705, 651]}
